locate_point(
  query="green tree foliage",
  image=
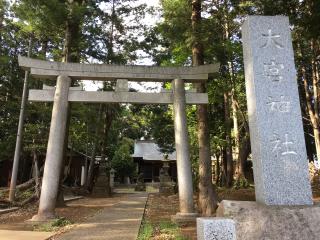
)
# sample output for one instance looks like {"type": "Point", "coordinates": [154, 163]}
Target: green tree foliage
{"type": "Point", "coordinates": [221, 38]}
{"type": "Point", "coordinates": [162, 128]}
{"type": "Point", "coordinates": [112, 32]}
{"type": "Point", "coordinates": [122, 161]}
{"type": "Point", "coordinates": [12, 43]}
{"type": "Point", "coordinates": [49, 23]}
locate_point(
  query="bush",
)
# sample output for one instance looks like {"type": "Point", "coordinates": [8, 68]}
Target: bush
{"type": "Point", "coordinates": [241, 182]}
{"type": "Point", "coordinates": [53, 225]}
{"type": "Point", "coordinates": [122, 161]}
{"type": "Point", "coordinates": [163, 230]}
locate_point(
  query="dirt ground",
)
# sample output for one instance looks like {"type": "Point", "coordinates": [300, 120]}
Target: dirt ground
{"type": "Point", "coordinates": [159, 209]}
{"type": "Point", "coordinates": [75, 211]}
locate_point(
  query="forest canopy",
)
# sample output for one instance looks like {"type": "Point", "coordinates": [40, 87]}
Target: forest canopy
{"type": "Point", "coordinates": [116, 32]}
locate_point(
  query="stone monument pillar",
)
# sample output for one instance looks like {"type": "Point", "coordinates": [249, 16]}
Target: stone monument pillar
{"type": "Point", "coordinates": [182, 149]}
{"type": "Point", "coordinates": [280, 161]}
{"type": "Point", "coordinates": [54, 156]}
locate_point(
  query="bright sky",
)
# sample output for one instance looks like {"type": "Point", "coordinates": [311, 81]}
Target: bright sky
{"type": "Point", "coordinates": [143, 87]}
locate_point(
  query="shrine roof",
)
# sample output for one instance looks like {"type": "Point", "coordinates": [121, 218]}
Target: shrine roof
{"type": "Point", "coordinates": [149, 150]}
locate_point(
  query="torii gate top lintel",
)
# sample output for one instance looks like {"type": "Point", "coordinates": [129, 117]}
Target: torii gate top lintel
{"type": "Point", "coordinates": [107, 72]}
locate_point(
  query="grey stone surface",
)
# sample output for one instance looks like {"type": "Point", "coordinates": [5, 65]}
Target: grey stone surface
{"type": "Point", "coordinates": [118, 97]}
{"type": "Point", "coordinates": [277, 139]}
{"type": "Point", "coordinates": [184, 219]}
{"type": "Point", "coordinates": [216, 229]}
{"type": "Point", "coordinates": [166, 184]}
{"type": "Point", "coordinates": [182, 148]}
{"type": "Point", "coordinates": [140, 185]}
{"type": "Point", "coordinates": [46, 69]}
{"type": "Point", "coordinates": [101, 184]}
{"type": "Point", "coordinates": [47, 87]}
{"type": "Point", "coordinates": [258, 221]}
{"type": "Point", "coordinates": [54, 156]}
{"type": "Point", "coordinates": [122, 85]}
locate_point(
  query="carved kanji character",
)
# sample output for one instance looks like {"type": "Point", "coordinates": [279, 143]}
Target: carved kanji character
{"type": "Point", "coordinates": [271, 40]}
{"type": "Point", "coordinates": [272, 70]}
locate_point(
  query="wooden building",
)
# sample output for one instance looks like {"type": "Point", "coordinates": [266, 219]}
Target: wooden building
{"type": "Point", "coordinates": [150, 160]}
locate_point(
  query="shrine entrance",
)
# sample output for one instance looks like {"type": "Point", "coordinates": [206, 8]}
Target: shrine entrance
{"type": "Point", "coordinates": [63, 94]}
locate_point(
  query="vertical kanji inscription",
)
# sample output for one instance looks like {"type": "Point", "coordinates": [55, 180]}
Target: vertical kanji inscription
{"type": "Point", "coordinates": [277, 140]}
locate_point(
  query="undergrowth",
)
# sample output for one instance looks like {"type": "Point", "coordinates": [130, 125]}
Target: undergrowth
{"type": "Point", "coordinates": [161, 231]}
{"type": "Point", "coordinates": [52, 225]}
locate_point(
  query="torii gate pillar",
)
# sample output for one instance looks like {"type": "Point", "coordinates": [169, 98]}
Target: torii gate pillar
{"type": "Point", "coordinates": [54, 156]}
{"type": "Point", "coordinates": [183, 155]}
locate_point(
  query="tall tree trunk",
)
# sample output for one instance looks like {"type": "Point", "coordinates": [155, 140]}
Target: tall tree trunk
{"type": "Point", "coordinates": [71, 53]}
{"type": "Point", "coordinates": [3, 8]}
{"type": "Point", "coordinates": [36, 173]}
{"type": "Point", "coordinates": [110, 53]}
{"type": "Point", "coordinates": [107, 121]}
{"type": "Point", "coordinates": [86, 159]}
{"type": "Point", "coordinates": [314, 118]}
{"type": "Point", "coordinates": [227, 73]}
{"type": "Point", "coordinates": [89, 182]}
{"type": "Point", "coordinates": [218, 169]}
{"type": "Point", "coordinates": [243, 156]}
{"type": "Point", "coordinates": [71, 49]}
{"type": "Point", "coordinates": [223, 177]}
{"type": "Point", "coordinates": [228, 148]}
{"type": "Point", "coordinates": [207, 196]}
{"type": "Point", "coordinates": [310, 86]}
{"type": "Point", "coordinates": [316, 92]}
{"type": "Point", "coordinates": [235, 124]}
{"type": "Point", "coordinates": [17, 152]}
{"type": "Point", "coordinates": [245, 145]}
{"type": "Point", "coordinates": [234, 105]}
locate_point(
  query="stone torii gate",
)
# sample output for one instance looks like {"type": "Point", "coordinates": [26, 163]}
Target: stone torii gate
{"type": "Point", "coordinates": [62, 95]}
